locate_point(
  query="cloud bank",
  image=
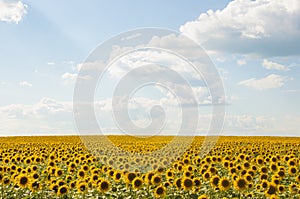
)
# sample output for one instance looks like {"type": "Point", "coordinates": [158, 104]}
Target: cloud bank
{"type": "Point", "coordinates": [249, 27]}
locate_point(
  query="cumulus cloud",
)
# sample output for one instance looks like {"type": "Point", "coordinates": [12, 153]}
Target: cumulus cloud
{"type": "Point", "coordinates": [48, 116]}
{"type": "Point", "coordinates": [25, 83]}
{"type": "Point", "coordinates": [12, 11]}
{"type": "Point", "coordinates": [273, 65]}
{"type": "Point", "coordinates": [269, 82]}
{"type": "Point", "coordinates": [261, 27]}
{"type": "Point", "coordinates": [69, 78]}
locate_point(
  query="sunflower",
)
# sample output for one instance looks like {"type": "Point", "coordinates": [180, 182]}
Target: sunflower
{"type": "Point", "coordinates": [95, 178]}
{"type": "Point", "coordinates": [240, 184]}
{"type": "Point", "coordinates": [81, 187]}
{"type": "Point", "coordinates": [169, 173]}
{"type": "Point", "coordinates": [281, 188]}
{"type": "Point", "coordinates": [293, 170]}
{"type": "Point", "coordinates": [297, 178]}
{"type": "Point", "coordinates": [275, 179]}
{"type": "Point", "coordinates": [6, 181]}
{"type": "Point", "coordinates": [187, 183]}
{"type": "Point", "coordinates": [35, 176]}
{"type": "Point", "coordinates": [73, 184]}
{"type": "Point", "coordinates": [34, 168]}
{"type": "Point", "coordinates": [137, 183]}
{"type": "Point", "coordinates": [212, 170]}
{"type": "Point", "coordinates": [148, 177]}
{"type": "Point", "coordinates": [51, 164]}
{"type": "Point", "coordinates": [60, 183]}
{"type": "Point", "coordinates": [34, 186]}
{"type": "Point", "coordinates": [206, 176]}
{"type": "Point", "coordinates": [54, 187]}
{"type": "Point", "coordinates": [233, 170]}
{"type": "Point", "coordinates": [160, 169]}
{"type": "Point", "coordinates": [264, 184]}
{"type": "Point", "coordinates": [72, 165]}
{"type": "Point", "coordinates": [6, 160]}
{"type": "Point", "coordinates": [203, 197]}
{"type": "Point", "coordinates": [197, 182]}
{"type": "Point", "coordinates": [81, 174]}
{"type": "Point", "coordinates": [130, 177]}
{"type": "Point", "coordinates": [224, 184]}
{"type": "Point", "coordinates": [111, 173]}
{"type": "Point", "coordinates": [273, 167]}
{"type": "Point", "coordinates": [104, 186]}
{"type": "Point", "coordinates": [264, 169]}
{"type": "Point", "coordinates": [85, 167]}
{"type": "Point", "coordinates": [62, 190]}
{"type": "Point", "coordinates": [58, 172]}
{"type": "Point", "coordinates": [68, 178]}
{"type": "Point", "coordinates": [23, 180]}
{"type": "Point", "coordinates": [167, 184]}
{"type": "Point", "coordinates": [187, 174]}
{"type": "Point", "coordinates": [156, 180]}
{"type": "Point", "coordinates": [13, 167]}
{"type": "Point", "coordinates": [214, 181]}
{"type": "Point", "coordinates": [249, 195]}
{"type": "Point", "coordinates": [292, 162]}
{"type": "Point", "coordinates": [281, 173]}
{"type": "Point", "coordinates": [226, 164]}
{"type": "Point", "coordinates": [293, 188]}
{"type": "Point", "coordinates": [117, 176]}
{"type": "Point", "coordinates": [246, 165]}
{"type": "Point", "coordinates": [248, 178]}
{"type": "Point", "coordinates": [160, 191]}
{"type": "Point", "coordinates": [263, 176]}
{"type": "Point", "coordinates": [271, 190]}
{"type": "Point", "coordinates": [258, 187]}
{"type": "Point", "coordinates": [177, 183]}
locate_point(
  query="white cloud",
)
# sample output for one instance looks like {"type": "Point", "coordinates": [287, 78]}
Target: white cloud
{"type": "Point", "coordinates": [273, 65]}
{"type": "Point", "coordinates": [291, 91]}
{"type": "Point", "coordinates": [134, 36]}
{"type": "Point", "coordinates": [241, 62]}
{"type": "Point", "coordinates": [12, 11]}
{"type": "Point", "coordinates": [261, 125]}
{"type": "Point", "coordinates": [48, 116]}
{"type": "Point", "coordinates": [68, 62]}
{"type": "Point", "coordinates": [69, 78]}
{"type": "Point", "coordinates": [25, 83]}
{"type": "Point", "coordinates": [90, 66]}
{"type": "Point", "coordinates": [269, 82]}
{"type": "Point", "coordinates": [241, 123]}
{"type": "Point", "coordinates": [50, 63]}
{"type": "Point", "coordinates": [261, 27]}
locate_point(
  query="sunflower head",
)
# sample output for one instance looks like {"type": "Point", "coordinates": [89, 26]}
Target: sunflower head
{"type": "Point", "coordinates": [160, 191]}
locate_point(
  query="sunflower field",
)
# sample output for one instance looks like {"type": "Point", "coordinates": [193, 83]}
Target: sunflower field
{"type": "Point", "coordinates": [64, 167]}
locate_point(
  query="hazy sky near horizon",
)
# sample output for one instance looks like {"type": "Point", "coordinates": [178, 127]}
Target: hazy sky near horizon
{"type": "Point", "coordinates": [253, 44]}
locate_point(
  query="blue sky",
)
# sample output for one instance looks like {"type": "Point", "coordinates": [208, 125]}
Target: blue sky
{"type": "Point", "coordinates": [253, 44]}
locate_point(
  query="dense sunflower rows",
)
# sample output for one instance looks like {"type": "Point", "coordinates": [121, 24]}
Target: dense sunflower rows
{"type": "Point", "coordinates": [62, 167]}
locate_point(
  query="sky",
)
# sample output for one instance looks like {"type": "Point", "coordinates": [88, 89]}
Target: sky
{"type": "Point", "coordinates": [254, 45]}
